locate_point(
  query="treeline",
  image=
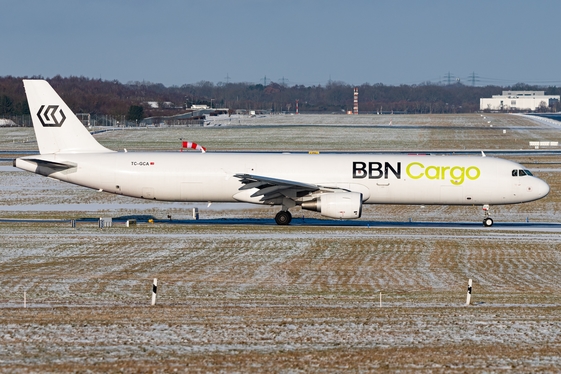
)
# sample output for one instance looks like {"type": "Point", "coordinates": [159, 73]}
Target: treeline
{"type": "Point", "coordinates": [100, 97]}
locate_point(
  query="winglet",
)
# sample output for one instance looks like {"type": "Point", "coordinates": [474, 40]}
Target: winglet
{"type": "Point", "coordinates": [483, 154]}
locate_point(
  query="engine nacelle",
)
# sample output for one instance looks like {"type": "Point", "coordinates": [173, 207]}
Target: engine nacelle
{"type": "Point", "coordinates": [345, 205]}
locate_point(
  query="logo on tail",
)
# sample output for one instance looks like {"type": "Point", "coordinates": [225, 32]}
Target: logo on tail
{"type": "Point", "coordinates": [48, 116]}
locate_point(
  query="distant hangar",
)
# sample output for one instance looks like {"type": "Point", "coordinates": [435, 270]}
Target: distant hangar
{"type": "Point", "coordinates": [518, 101]}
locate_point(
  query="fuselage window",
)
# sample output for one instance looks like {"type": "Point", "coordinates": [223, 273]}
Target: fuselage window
{"type": "Point", "coordinates": [528, 172]}
{"type": "Point", "coordinates": [515, 173]}
{"type": "Point", "coordinates": [521, 173]}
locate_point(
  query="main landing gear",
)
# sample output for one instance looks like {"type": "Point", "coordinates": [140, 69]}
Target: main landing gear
{"type": "Point", "coordinates": [487, 220]}
{"type": "Point", "coordinates": [283, 217]}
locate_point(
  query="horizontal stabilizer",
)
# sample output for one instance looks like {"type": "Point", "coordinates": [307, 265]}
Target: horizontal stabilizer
{"type": "Point", "coordinates": [58, 166]}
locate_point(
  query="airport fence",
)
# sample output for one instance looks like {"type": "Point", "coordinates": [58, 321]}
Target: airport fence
{"type": "Point", "coordinates": [89, 120]}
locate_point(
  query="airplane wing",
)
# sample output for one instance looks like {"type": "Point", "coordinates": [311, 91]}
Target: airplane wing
{"type": "Point", "coordinates": [273, 188]}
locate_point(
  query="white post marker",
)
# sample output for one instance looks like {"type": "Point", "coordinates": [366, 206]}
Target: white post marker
{"type": "Point", "coordinates": [380, 299]}
{"type": "Point", "coordinates": [154, 290]}
{"type": "Point", "coordinates": [24, 299]}
{"type": "Point", "coordinates": [468, 300]}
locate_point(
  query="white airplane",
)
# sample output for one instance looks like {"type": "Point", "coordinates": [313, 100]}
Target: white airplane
{"type": "Point", "coordinates": [336, 185]}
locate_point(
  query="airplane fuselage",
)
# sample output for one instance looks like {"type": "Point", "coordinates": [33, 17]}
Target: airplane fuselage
{"type": "Point", "coordinates": [380, 178]}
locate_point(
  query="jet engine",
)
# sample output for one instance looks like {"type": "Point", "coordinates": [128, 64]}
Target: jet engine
{"type": "Point", "coordinates": [347, 205]}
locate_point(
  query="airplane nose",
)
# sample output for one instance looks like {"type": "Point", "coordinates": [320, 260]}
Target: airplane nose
{"type": "Point", "coordinates": [542, 188]}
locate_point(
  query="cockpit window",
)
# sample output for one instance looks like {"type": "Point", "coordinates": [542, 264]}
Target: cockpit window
{"type": "Point", "coordinates": [521, 173]}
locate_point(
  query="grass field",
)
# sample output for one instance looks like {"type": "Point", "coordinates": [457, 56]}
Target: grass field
{"type": "Point", "coordinates": [243, 297]}
{"type": "Point", "coordinates": [328, 133]}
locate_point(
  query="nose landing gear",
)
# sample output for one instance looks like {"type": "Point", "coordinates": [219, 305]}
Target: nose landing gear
{"type": "Point", "coordinates": [487, 220]}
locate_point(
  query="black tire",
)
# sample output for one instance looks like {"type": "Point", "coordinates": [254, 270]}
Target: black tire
{"type": "Point", "coordinates": [488, 222]}
{"type": "Point", "coordinates": [283, 217]}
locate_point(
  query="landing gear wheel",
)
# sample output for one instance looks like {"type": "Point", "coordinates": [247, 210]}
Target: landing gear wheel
{"type": "Point", "coordinates": [283, 217]}
{"type": "Point", "coordinates": [487, 222]}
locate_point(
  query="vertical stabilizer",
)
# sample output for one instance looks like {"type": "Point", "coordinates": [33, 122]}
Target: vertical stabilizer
{"type": "Point", "coordinates": [57, 128]}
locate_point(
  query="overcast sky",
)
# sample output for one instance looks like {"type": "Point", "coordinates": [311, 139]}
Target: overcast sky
{"type": "Point", "coordinates": [303, 42]}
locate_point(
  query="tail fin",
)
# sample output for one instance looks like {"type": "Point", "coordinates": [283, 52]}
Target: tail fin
{"type": "Point", "coordinates": [57, 129]}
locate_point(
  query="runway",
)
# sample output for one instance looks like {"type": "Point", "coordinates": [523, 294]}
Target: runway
{"type": "Point", "coordinates": [553, 227]}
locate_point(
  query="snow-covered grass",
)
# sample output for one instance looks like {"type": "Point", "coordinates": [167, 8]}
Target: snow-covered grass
{"type": "Point", "coordinates": [326, 133]}
{"type": "Point", "coordinates": [244, 298]}
{"type": "Point", "coordinates": [294, 337]}
{"type": "Point", "coordinates": [345, 133]}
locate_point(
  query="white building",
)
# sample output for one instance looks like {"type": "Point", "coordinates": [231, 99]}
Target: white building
{"type": "Point", "coordinates": [517, 100]}
{"type": "Point", "coordinates": [7, 122]}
